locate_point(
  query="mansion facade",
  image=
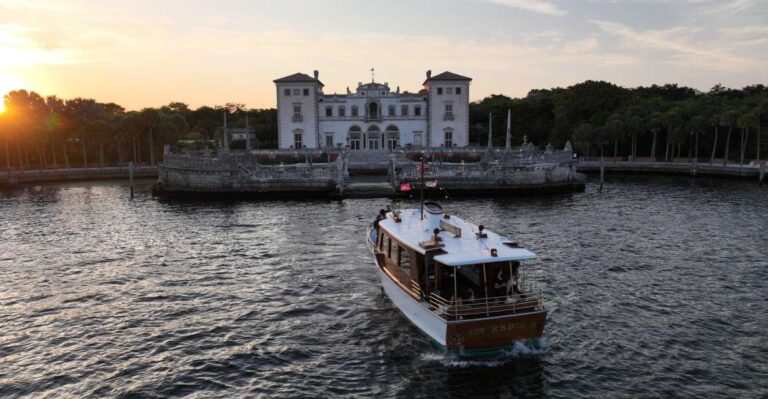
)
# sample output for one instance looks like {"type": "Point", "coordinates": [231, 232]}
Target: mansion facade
{"type": "Point", "coordinates": [373, 117]}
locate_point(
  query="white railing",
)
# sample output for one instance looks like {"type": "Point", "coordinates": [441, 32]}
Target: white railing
{"type": "Point", "coordinates": [492, 306]}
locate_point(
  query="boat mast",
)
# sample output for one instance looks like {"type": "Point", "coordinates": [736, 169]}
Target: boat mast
{"type": "Point", "coordinates": [422, 185]}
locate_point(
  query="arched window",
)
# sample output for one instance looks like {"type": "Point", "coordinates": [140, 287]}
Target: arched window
{"type": "Point", "coordinates": [391, 138]}
{"type": "Point", "coordinates": [373, 111]}
{"type": "Point", "coordinates": [354, 137]}
{"type": "Point", "coordinates": [374, 137]}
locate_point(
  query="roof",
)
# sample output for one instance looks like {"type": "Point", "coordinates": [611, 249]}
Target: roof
{"type": "Point", "coordinates": [297, 77]}
{"type": "Point", "coordinates": [447, 75]}
{"type": "Point", "coordinates": [460, 251]}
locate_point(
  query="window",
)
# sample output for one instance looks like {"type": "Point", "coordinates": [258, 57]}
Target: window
{"type": "Point", "coordinates": [458, 90]}
{"type": "Point", "coordinates": [297, 139]}
{"type": "Point", "coordinates": [449, 90]}
{"type": "Point", "coordinates": [391, 110]}
{"type": "Point", "coordinates": [342, 110]}
{"type": "Point", "coordinates": [417, 110]}
{"type": "Point", "coordinates": [403, 258]}
{"type": "Point", "coordinates": [448, 138]}
{"type": "Point", "coordinates": [417, 138]}
{"type": "Point", "coordinates": [296, 92]}
{"type": "Point", "coordinates": [329, 139]}
{"type": "Point", "coordinates": [354, 110]}
{"type": "Point", "coordinates": [297, 113]}
{"type": "Point", "coordinates": [328, 111]}
{"type": "Point", "coordinates": [389, 247]}
{"type": "Point", "coordinates": [404, 110]}
{"type": "Point", "coordinates": [287, 92]}
{"type": "Point", "coordinates": [373, 111]}
{"type": "Point", "coordinates": [306, 92]}
{"type": "Point", "coordinates": [439, 90]}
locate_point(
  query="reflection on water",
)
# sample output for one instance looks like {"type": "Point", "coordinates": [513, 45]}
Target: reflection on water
{"type": "Point", "coordinates": [655, 288]}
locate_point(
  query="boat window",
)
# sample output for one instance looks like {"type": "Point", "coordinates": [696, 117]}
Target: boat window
{"type": "Point", "coordinates": [403, 258]}
{"type": "Point", "coordinates": [381, 241]}
{"type": "Point", "coordinates": [389, 247]}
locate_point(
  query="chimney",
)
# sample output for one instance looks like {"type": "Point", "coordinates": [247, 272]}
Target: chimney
{"type": "Point", "coordinates": [429, 74]}
{"type": "Point", "coordinates": [317, 74]}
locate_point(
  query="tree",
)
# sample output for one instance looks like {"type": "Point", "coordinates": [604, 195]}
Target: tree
{"type": "Point", "coordinates": [654, 123]}
{"type": "Point", "coordinates": [672, 121]}
{"type": "Point", "coordinates": [583, 137]}
{"type": "Point", "coordinates": [728, 118]}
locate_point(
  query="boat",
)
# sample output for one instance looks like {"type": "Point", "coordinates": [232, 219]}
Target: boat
{"type": "Point", "coordinates": [459, 283]}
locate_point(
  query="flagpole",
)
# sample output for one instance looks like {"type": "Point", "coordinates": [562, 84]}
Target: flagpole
{"type": "Point", "coordinates": [422, 186]}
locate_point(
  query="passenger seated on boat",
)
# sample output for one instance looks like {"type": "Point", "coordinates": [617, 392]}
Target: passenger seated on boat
{"type": "Point", "coordinates": [499, 285]}
{"type": "Point", "coordinates": [514, 294]}
{"type": "Point", "coordinates": [381, 216]}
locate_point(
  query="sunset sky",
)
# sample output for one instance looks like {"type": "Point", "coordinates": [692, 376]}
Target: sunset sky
{"type": "Point", "coordinates": [148, 53]}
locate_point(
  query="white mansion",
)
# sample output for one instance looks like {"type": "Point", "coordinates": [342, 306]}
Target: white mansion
{"type": "Point", "coordinates": [373, 117]}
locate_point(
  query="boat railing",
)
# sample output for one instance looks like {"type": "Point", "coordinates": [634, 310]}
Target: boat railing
{"type": "Point", "coordinates": [416, 289]}
{"type": "Point", "coordinates": [491, 306]}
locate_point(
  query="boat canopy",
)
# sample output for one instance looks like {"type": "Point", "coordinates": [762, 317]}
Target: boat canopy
{"type": "Point", "coordinates": [458, 239]}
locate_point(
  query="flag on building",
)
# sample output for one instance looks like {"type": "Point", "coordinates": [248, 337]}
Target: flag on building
{"type": "Point", "coordinates": [431, 184]}
{"type": "Point", "coordinates": [405, 187]}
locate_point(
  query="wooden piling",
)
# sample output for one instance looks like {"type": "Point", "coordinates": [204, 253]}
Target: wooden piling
{"type": "Point", "coordinates": [602, 176]}
{"type": "Point", "coordinates": [130, 176]}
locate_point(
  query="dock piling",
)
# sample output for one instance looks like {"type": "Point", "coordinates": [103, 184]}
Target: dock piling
{"type": "Point", "coordinates": [602, 176]}
{"type": "Point", "coordinates": [130, 176]}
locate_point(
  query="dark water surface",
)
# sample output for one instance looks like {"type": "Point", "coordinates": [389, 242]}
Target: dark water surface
{"type": "Point", "coordinates": [657, 287]}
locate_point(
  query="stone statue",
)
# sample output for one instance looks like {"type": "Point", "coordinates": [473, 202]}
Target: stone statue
{"type": "Point", "coordinates": [348, 91]}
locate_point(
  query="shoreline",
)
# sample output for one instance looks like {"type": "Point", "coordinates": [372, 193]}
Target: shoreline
{"type": "Point", "coordinates": [10, 178]}
{"type": "Point", "coordinates": [728, 171]}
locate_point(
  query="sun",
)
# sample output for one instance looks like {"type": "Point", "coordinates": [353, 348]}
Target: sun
{"type": "Point", "coordinates": [2, 106]}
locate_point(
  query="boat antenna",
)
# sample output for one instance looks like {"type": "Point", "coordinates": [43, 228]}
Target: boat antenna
{"type": "Point", "coordinates": [422, 185]}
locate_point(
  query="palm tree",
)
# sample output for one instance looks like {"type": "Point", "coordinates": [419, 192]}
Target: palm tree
{"type": "Point", "coordinates": [728, 118]}
{"type": "Point", "coordinates": [744, 122]}
{"type": "Point", "coordinates": [672, 121]}
{"type": "Point", "coordinates": [714, 120]}
{"type": "Point", "coordinates": [697, 124]}
{"type": "Point", "coordinates": [150, 120]}
{"type": "Point", "coordinates": [615, 128]}
{"type": "Point", "coordinates": [655, 122]}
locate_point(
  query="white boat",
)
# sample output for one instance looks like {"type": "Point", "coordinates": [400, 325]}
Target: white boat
{"type": "Point", "coordinates": [458, 283]}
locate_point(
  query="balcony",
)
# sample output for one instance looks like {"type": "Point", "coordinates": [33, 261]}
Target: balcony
{"type": "Point", "coordinates": [448, 116]}
{"type": "Point", "coordinates": [297, 118]}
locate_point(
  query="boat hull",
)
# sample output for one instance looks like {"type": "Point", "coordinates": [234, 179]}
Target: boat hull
{"type": "Point", "coordinates": [464, 337]}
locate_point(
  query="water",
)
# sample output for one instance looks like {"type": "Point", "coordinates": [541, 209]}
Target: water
{"type": "Point", "coordinates": [657, 287]}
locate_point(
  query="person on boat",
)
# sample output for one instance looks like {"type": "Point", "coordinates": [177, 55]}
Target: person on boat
{"type": "Point", "coordinates": [513, 290]}
{"type": "Point", "coordinates": [499, 285]}
{"type": "Point", "coordinates": [381, 216]}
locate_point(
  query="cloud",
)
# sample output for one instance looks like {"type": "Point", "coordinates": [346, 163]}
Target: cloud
{"type": "Point", "coordinates": [19, 49]}
{"type": "Point", "coordinates": [682, 43]}
{"type": "Point", "coordinates": [541, 7]}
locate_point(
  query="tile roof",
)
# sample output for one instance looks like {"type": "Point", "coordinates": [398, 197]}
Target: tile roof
{"type": "Point", "coordinates": [447, 76]}
{"type": "Point", "coordinates": [297, 77]}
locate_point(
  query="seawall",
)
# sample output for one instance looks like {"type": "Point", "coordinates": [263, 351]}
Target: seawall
{"type": "Point", "coordinates": [734, 171]}
{"type": "Point", "coordinates": [14, 177]}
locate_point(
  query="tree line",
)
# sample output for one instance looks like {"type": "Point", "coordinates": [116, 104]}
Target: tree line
{"type": "Point", "coordinates": [663, 123]}
{"type": "Point", "coordinates": [50, 132]}
{"type": "Point", "coordinates": [599, 118]}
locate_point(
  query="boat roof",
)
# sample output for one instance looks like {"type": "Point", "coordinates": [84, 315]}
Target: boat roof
{"type": "Point", "coordinates": [465, 250]}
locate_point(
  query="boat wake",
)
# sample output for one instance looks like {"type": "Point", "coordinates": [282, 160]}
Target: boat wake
{"type": "Point", "coordinates": [521, 349]}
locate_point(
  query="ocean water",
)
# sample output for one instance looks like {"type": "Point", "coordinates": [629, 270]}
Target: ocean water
{"type": "Point", "coordinates": [656, 287]}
